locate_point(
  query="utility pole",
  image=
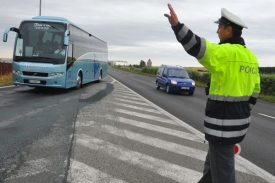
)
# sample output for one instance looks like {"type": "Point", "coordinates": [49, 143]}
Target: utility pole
{"type": "Point", "coordinates": [40, 8]}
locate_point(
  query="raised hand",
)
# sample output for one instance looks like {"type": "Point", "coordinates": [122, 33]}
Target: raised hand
{"type": "Point", "coordinates": [173, 19]}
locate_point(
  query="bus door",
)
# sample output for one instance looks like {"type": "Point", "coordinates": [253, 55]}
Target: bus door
{"type": "Point", "coordinates": [70, 68]}
{"type": "Point", "coordinates": [96, 67]}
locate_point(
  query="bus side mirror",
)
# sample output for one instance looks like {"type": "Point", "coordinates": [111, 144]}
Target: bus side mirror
{"type": "Point", "coordinates": [66, 38]}
{"type": "Point", "coordinates": [66, 41]}
{"type": "Point", "coordinates": [5, 37]}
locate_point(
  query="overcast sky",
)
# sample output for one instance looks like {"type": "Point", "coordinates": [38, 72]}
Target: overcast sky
{"type": "Point", "coordinates": [137, 29]}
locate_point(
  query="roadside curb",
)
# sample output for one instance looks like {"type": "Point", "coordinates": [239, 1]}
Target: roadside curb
{"type": "Point", "coordinates": [7, 86]}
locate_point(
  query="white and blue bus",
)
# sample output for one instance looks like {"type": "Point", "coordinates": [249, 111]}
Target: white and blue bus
{"type": "Point", "coordinates": [37, 61]}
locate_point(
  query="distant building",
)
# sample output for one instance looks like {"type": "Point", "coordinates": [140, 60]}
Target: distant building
{"type": "Point", "coordinates": [149, 63]}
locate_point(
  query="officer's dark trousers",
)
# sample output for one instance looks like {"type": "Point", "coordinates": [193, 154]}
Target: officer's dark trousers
{"type": "Point", "coordinates": [219, 165]}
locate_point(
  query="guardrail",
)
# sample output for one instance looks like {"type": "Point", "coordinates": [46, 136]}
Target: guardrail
{"type": "Point", "coordinates": [5, 68]}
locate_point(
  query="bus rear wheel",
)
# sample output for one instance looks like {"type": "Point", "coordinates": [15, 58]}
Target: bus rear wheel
{"type": "Point", "coordinates": [78, 81]}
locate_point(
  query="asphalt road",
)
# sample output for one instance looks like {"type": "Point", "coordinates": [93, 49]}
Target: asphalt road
{"type": "Point", "coordinates": [36, 130]}
{"type": "Point", "coordinates": [258, 146]}
{"type": "Point", "coordinates": [119, 130]}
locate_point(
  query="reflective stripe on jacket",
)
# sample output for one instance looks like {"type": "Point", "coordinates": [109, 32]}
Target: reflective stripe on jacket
{"type": "Point", "coordinates": [234, 87]}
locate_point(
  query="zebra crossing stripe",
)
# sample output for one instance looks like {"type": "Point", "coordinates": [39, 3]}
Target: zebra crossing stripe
{"type": "Point", "coordinates": [146, 116]}
{"type": "Point", "coordinates": [128, 97]}
{"type": "Point", "coordinates": [125, 94]}
{"type": "Point", "coordinates": [158, 166]}
{"type": "Point", "coordinates": [165, 145]}
{"type": "Point", "coordinates": [132, 102]}
{"type": "Point", "coordinates": [82, 173]}
{"type": "Point", "coordinates": [136, 107]}
{"type": "Point", "coordinates": [162, 144]}
{"type": "Point", "coordinates": [155, 128]}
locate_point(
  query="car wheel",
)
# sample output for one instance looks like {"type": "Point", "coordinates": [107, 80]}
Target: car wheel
{"type": "Point", "coordinates": [157, 85]}
{"type": "Point", "coordinates": [78, 81]}
{"type": "Point", "coordinates": [168, 89]}
{"type": "Point", "coordinates": [191, 93]}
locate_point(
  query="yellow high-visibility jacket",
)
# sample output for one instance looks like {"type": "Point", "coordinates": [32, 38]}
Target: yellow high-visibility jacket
{"type": "Point", "coordinates": [234, 86]}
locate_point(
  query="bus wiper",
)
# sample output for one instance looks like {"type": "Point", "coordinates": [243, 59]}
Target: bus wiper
{"type": "Point", "coordinates": [47, 58]}
{"type": "Point", "coordinates": [36, 59]}
{"type": "Point", "coordinates": [25, 58]}
{"type": "Point", "coordinates": [55, 28]}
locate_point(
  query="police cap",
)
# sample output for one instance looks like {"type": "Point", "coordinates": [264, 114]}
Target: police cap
{"type": "Point", "coordinates": [230, 19]}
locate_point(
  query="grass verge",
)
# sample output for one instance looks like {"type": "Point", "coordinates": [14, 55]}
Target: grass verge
{"type": "Point", "coordinates": [6, 80]}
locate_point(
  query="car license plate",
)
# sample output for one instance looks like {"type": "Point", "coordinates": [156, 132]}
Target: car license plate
{"type": "Point", "coordinates": [185, 88]}
{"type": "Point", "coordinates": [34, 81]}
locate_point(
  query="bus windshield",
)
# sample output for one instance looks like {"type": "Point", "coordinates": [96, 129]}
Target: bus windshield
{"type": "Point", "coordinates": [40, 42]}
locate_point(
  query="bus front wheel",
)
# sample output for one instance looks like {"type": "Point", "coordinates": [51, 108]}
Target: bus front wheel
{"type": "Point", "coordinates": [78, 81]}
{"type": "Point", "coordinates": [99, 77]}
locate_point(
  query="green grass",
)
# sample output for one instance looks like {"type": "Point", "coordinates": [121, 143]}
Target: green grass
{"type": "Point", "coordinates": [6, 80]}
{"type": "Point", "coordinates": [267, 98]}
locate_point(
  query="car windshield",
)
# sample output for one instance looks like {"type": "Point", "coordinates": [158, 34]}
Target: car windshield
{"type": "Point", "coordinates": [178, 73]}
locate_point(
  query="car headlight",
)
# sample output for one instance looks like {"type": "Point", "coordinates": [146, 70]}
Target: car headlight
{"type": "Point", "coordinates": [173, 82]}
{"type": "Point", "coordinates": [193, 83]}
{"type": "Point", "coordinates": [16, 72]}
{"type": "Point", "coordinates": [56, 74]}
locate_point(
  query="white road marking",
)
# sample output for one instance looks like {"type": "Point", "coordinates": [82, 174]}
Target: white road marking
{"type": "Point", "coordinates": [123, 90]}
{"type": "Point", "coordinates": [124, 93]}
{"type": "Point", "coordinates": [131, 98]}
{"type": "Point", "coordinates": [165, 145]}
{"type": "Point", "coordinates": [242, 164]}
{"type": "Point", "coordinates": [161, 167]}
{"type": "Point", "coordinates": [146, 116]}
{"type": "Point", "coordinates": [82, 173]}
{"type": "Point", "coordinates": [162, 144]}
{"type": "Point", "coordinates": [7, 86]}
{"type": "Point", "coordinates": [133, 102]}
{"type": "Point", "coordinates": [155, 128]}
{"type": "Point", "coordinates": [136, 107]}
{"type": "Point", "coordinates": [266, 115]}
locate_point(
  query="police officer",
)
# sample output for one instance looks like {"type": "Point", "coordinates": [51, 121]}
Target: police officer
{"type": "Point", "coordinates": [234, 88]}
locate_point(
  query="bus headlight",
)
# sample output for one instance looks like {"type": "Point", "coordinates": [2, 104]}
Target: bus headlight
{"type": "Point", "coordinates": [56, 74]}
{"type": "Point", "coordinates": [173, 82]}
{"type": "Point", "coordinates": [16, 72]}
